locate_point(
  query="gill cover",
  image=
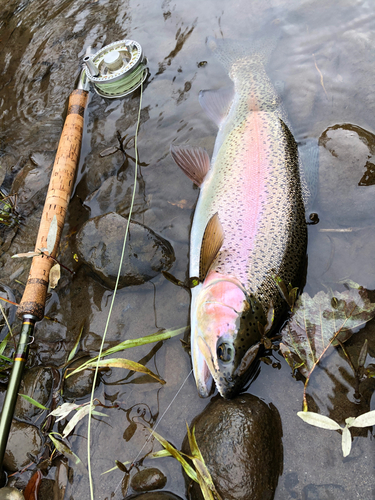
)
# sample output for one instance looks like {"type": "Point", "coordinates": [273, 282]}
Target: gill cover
{"type": "Point", "coordinates": [225, 336]}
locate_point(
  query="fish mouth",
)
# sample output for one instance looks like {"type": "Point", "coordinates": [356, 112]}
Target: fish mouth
{"type": "Point", "coordinates": [202, 372]}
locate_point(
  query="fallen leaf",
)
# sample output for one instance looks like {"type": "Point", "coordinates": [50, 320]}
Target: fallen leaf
{"type": "Point", "coordinates": [65, 450]}
{"type": "Point", "coordinates": [26, 255]}
{"type": "Point", "coordinates": [127, 364]}
{"type": "Point", "coordinates": [365, 420]}
{"type": "Point", "coordinates": [346, 443]}
{"type": "Point", "coordinates": [79, 415]}
{"type": "Point", "coordinates": [52, 235]}
{"type": "Point", "coordinates": [321, 321]}
{"type": "Point", "coordinates": [318, 420]}
{"type": "Point", "coordinates": [63, 410]}
{"type": "Point", "coordinates": [32, 489]}
{"type": "Point", "coordinates": [54, 275]}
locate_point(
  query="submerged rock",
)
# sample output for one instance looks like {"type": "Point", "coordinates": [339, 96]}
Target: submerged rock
{"type": "Point", "coordinates": [37, 383]}
{"type": "Point", "coordinates": [148, 480]}
{"type": "Point", "coordinates": [99, 245]}
{"type": "Point", "coordinates": [23, 439]}
{"type": "Point", "coordinates": [79, 384]}
{"type": "Point", "coordinates": [155, 495]}
{"type": "Point", "coordinates": [240, 441]}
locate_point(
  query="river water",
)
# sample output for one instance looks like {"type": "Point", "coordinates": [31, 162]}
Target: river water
{"type": "Point", "coordinates": [324, 65]}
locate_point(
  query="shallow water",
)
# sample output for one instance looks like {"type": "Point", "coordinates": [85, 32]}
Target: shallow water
{"type": "Point", "coordinates": [326, 65]}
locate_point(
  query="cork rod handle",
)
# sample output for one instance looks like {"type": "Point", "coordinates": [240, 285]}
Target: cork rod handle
{"type": "Point", "coordinates": [57, 200]}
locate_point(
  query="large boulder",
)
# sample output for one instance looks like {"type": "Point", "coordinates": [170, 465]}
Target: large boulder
{"type": "Point", "coordinates": [99, 245]}
{"type": "Point", "coordinates": [240, 441]}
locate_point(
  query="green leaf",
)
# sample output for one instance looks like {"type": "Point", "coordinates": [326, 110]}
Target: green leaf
{"type": "Point", "coordinates": [319, 420]}
{"type": "Point", "coordinates": [5, 358]}
{"type": "Point", "coordinates": [73, 352]}
{"type": "Point", "coordinates": [4, 343]}
{"type": "Point", "coordinates": [155, 337]}
{"type": "Point", "coordinates": [65, 450]}
{"type": "Point", "coordinates": [365, 420]}
{"type": "Point", "coordinates": [346, 443]}
{"type": "Point", "coordinates": [177, 455]}
{"type": "Point", "coordinates": [52, 235]}
{"type": "Point", "coordinates": [156, 454]}
{"type": "Point", "coordinates": [204, 477]}
{"type": "Point", "coordinates": [33, 402]}
{"type": "Point", "coordinates": [320, 321]}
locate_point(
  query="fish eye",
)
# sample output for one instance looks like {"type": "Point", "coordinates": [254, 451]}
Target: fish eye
{"type": "Point", "coordinates": [225, 352]}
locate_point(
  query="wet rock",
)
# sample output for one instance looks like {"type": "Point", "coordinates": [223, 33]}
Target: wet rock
{"type": "Point", "coordinates": [23, 439]}
{"type": "Point", "coordinates": [323, 492]}
{"type": "Point", "coordinates": [79, 384]}
{"type": "Point", "coordinates": [155, 495]}
{"type": "Point", "coordinates": [36, 383]}
{"type": "Point", "coordinates": [8, 493]}
{"type": "Point", "coordinates": [115, 195]}
{"type": "Point", "coordinates": [148, 480]}
{"type": "Point", "coordinates": [32, 181]}
{"type": "Point", "coordinates": [99, 245]}
{"type": "Point", "coordinates": [347, 169]}
{"type": "Point", "coordinates": [240, 441]}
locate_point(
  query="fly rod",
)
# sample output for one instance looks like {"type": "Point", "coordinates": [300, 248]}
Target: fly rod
{"type": "Point", "coordinates": [114, 71]}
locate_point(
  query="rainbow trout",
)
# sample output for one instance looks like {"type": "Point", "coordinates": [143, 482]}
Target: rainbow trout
{"type": "Point", "coordinates": [249, 223]}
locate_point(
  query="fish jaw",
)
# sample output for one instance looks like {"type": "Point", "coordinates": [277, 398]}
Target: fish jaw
{"type": "Point", "coordinates": [225, 335]}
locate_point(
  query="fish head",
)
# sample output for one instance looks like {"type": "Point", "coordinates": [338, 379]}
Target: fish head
{"type": "Point", "coordinates": [225, 336]}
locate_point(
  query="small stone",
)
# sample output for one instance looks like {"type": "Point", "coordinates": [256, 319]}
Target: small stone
{"type": "Point", "coordinates": [23, 439]}
{"type": "Point", "coordinates": [155, 495]}
{"type": "Point", "coordinates": [99, 245]}
{"type": "Point", "coordinates": [36, 383]}
{"type": "Point", "coordinates": [79, 384]}
{"type": "Point", "coordinates": [240, 441]}
{"type": "Point", "coordinates": [8, 493]}
{"type": "Point", "coordinates": [148, 480]}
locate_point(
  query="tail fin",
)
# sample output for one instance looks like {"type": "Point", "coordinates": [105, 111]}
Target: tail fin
{"type": "Point", "coordinates": [256, 50]}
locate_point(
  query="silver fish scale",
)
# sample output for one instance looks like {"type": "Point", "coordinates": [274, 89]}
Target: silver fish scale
{"type": "Point", "coordinates": [255, 167]}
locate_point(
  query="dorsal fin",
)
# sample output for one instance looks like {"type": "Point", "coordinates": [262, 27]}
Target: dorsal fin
{"type": "Point", "coordinates": [194, 162]}
{"type": "Point", "coordinates": [212, 241]}
{"type": "Point", "coordinates": [216, 103]}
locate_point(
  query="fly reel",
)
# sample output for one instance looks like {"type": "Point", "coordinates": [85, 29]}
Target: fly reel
{"type": "Point", "coordinates": [117, 69]}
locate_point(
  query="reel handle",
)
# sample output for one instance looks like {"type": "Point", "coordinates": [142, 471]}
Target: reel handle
{"type": "Point", "coordinates": [57, 200]}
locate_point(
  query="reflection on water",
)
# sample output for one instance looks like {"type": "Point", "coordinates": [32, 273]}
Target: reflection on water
{"type": "Point", "coordinates": [325, 65]}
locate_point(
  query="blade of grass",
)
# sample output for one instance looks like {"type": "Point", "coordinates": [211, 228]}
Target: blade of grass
{"type": "Point", "coordinates": [127, 344]}
{"type": "Point", "coordinates": [73, 352]}
{"type": "Point", "coordinates": [126, 364]}
{"type": "Point", "coordinates": [32, 401]}
{"type": "Point", "coordinates": [177, 455]}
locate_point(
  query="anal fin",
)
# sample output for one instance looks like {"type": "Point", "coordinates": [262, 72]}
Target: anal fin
{"type": "Point", "coordinates": [194, 162]}
{"type": "Point", "coordinates": [212, 241]}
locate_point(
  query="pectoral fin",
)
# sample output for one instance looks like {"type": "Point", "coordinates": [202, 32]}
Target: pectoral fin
{"type": "Point", "coordinates": [213, 239]}
{"type": "Point", "coordinates": [194, 162]}
{"type": "Point", "coordinates": [216, 103]}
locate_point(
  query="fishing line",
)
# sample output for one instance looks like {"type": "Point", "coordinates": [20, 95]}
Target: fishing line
{"type": "Point", "coordinates": [113, 297]}
{"type": "Point", "coordinates": [157, 424]}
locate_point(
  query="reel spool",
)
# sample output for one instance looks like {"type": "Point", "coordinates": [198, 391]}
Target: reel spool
{"type": "Point", "coordinates": [117, 69]}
